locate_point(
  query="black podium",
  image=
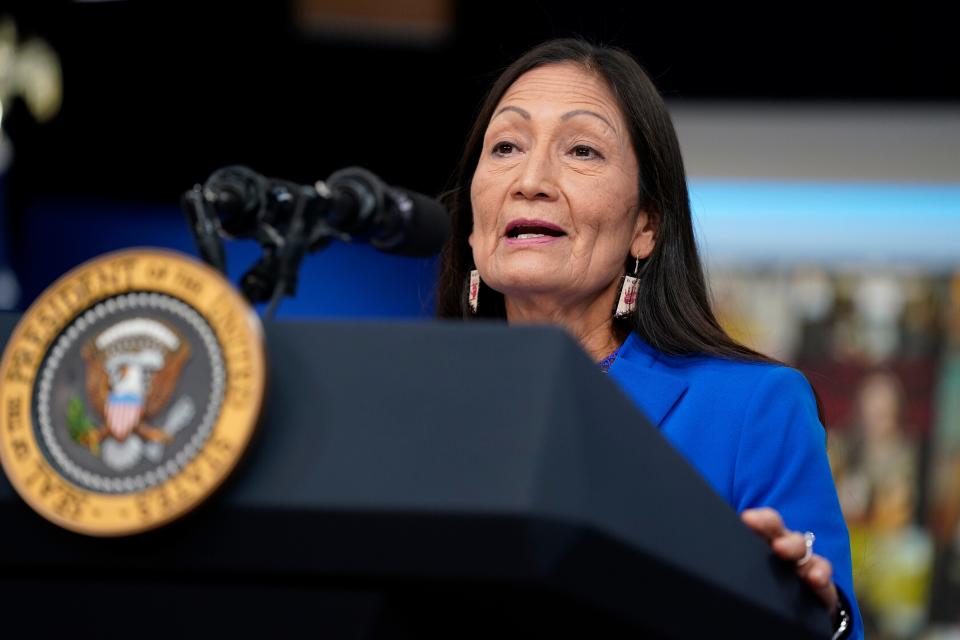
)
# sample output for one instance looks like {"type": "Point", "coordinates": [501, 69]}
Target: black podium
{"type": "Point", "coordinates": [423, 480]}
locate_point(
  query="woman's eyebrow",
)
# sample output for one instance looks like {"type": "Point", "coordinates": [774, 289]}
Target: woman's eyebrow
{"type": "Point", "coordinates": [586, 112]}
{"type": "Point", "coordinates": [523, 112]}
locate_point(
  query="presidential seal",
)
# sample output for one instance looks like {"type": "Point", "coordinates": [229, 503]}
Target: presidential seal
{"type": "Point", "coordinates": [130, 389]}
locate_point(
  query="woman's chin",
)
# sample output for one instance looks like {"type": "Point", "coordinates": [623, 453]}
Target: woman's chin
{"type": "Point", "coordinates": [527, 283]}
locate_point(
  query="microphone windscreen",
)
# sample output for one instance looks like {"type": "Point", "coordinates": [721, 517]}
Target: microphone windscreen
{"type": "Point", "coordinates": [426, 230]}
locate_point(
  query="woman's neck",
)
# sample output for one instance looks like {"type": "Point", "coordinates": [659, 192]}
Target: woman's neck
{"type": "Point", "coordinates": [589, 321]}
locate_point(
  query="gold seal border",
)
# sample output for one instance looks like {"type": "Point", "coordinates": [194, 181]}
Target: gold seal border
{"type": "Point", "coordinates": [240, 336]}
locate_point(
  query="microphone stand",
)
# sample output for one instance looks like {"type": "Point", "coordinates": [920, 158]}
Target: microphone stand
{"type": "Point", "coordinates": [275, 274]}
{"type": "Point", "coordinates": [205, 227]}
{"type": "Point", "coordinates": [290, 256]}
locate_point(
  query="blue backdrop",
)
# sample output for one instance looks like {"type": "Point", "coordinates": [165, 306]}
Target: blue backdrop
{"type": "Point", "coordinates": [345, 280]}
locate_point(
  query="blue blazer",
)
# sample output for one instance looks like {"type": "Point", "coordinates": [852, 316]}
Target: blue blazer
{"type": "Point", "coordinates": [752, 431]}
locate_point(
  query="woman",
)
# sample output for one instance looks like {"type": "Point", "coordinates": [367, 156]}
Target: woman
{"type": "Point", "coordinates": [571, 180]}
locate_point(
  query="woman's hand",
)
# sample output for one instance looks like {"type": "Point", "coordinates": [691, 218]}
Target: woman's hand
{"type": "Point", "coordinates": [790, 545]}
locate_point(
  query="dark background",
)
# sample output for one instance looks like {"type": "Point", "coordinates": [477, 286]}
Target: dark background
{"type": "Point", "coordinates": [157, 95]}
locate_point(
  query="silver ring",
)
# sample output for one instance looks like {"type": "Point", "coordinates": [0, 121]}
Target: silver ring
{"type": "Point", "coordinates": [808, 539]}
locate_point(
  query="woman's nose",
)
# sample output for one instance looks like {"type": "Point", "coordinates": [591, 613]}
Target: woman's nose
{"type": "Point", "coordinates": [537, 179]}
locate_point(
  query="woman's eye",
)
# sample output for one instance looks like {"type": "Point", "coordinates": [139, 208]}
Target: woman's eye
{"type": "Point", "coordinates": [583, 151]}
{"type": "Point", "coordinates": [504, 148]}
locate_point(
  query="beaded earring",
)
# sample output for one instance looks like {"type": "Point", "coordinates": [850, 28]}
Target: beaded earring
{"type": "Point", "coordinates": [474, 292]}
{"type": "Point", "coordinates": [627, 300]}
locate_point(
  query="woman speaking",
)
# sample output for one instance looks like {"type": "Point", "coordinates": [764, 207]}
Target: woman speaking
{"type": "Point", "coordinates": [570, 207]}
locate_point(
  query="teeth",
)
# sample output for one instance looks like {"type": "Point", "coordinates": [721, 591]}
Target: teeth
{"type": "Point", "coordinates": [528, 236]}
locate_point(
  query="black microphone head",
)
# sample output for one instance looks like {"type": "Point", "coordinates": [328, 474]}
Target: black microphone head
{"type": "Point", "coordinates": [357, 197]}
{"type": "Point", "coordinates": [237, 195]}
{"type": "Point", "coordinates": [424, 229]}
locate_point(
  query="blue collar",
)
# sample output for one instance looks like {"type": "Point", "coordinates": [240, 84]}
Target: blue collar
{"type": "Point", "coordinates": [637, 370]}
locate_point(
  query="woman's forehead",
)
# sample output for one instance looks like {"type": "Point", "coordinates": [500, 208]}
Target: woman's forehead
{"type": "Point", "coordinates": [562, 86]}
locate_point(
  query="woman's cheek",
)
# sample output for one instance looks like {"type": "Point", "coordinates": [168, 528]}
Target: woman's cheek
{"type": "Point", "coordinates": [481, 242]}
{"type": "Point", "coordinates": [481, 239]}
{"type": "Point", "coordinates": [484, 224]}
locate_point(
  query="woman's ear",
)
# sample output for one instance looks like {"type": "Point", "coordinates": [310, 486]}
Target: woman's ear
{"type": "Point", "coordinates": [644, 235]}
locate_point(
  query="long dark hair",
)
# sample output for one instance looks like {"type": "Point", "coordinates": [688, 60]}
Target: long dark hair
{"type": "Point", "coordinates": [673, 311]}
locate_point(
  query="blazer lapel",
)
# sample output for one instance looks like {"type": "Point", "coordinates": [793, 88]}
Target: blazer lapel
{"type": "Point", "coordinates": [653, 392]}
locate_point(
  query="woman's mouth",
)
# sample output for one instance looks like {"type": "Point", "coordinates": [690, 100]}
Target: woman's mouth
{"type": "Point", "coordinates": [520, 232]}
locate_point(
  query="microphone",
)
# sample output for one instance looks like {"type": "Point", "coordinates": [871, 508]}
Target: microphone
{"type": "Point", "coordinates": [394, 220]}
{"type": "Point", "coordinates": [352, 202]}
{"type": "Point", "coordinates": [238, 199]}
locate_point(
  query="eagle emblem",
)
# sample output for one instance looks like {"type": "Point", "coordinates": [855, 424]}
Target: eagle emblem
{"type": "Point", "coordinates": [141, 402]}
{"type": "Point", "coordinates": [131, 370]}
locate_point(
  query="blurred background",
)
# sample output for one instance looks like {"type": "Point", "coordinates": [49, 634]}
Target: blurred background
{"type": "Point", "coordinates": [822, 146]}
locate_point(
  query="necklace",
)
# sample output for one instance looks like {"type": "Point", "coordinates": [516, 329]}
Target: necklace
{"type": "Point", "coordinates": [607, 362]}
